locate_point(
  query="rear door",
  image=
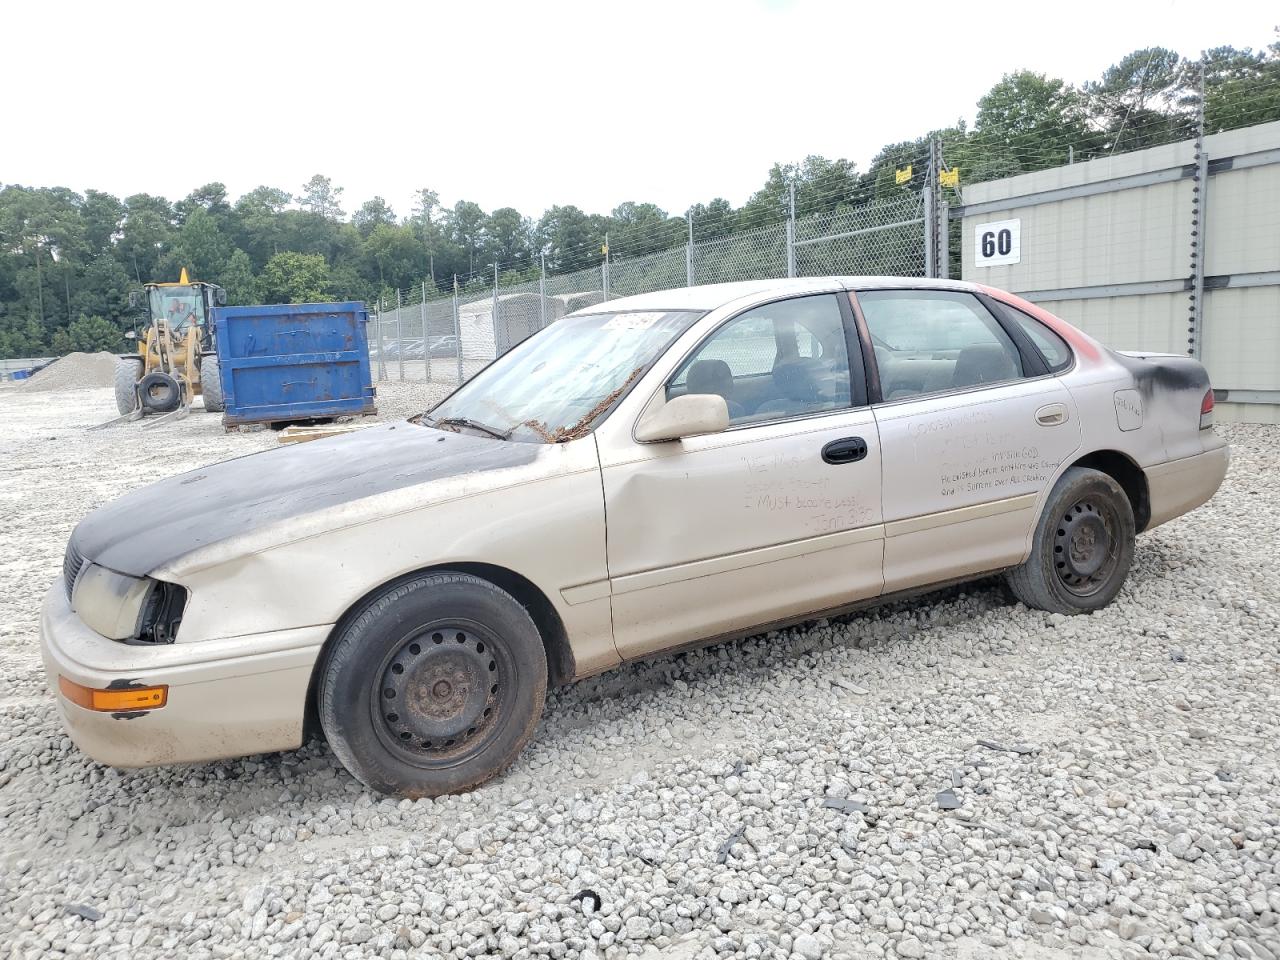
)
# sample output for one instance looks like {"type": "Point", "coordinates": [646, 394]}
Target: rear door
{"type": "Point", "coordinates": [972, 425]}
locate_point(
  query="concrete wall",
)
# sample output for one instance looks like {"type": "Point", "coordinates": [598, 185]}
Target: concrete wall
{"type": "Point", "coordinates": [1118, 263]}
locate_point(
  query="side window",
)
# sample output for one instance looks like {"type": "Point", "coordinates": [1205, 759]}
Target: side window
{"type": "Point", "coordinates": [781, 360]}
{"type": "Point", "coordinates": [932, 341]}
{"type": "Point", "coordinates": [1056, 353]}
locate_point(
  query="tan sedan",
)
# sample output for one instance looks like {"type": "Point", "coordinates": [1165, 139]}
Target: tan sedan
{"type": "Point", "coordinates": [646, 474]}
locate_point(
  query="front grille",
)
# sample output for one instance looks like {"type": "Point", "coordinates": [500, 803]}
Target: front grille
{"type": "Point", "coordinates": [71, 565]}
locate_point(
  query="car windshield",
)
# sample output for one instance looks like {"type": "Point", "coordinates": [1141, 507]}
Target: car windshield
{"type": "Point", "coordinates": [561, 382]}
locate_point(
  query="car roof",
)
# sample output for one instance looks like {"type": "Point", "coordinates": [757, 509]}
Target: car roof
{"type": "Point", "coordinates": [712, 295]}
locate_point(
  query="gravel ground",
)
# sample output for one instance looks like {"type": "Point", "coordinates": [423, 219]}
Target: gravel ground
{"type": "Point", "coordinates": [955, 777]}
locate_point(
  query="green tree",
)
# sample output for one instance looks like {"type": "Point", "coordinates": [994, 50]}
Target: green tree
{"type": "Point", "coordinates": [507, 238]}
{"type": "Point", "coordinates": [88, 334]}
{"type": "Point", "coordinates": [259, 224]}
{"type": "Point", "coordinates": [237, 278]}
{"type": "Point", "coordinates": [371, 214]}
{"type": "Point", "coordinates": [569, 239]}
{"type": "Point", "coordinates": [1029, 121]}
{"type": "Point", "coordinates": [1142, 100]}
{"type": "Point", "coordinates": [397, 255]}
{"type": "Point", "coordinates": [295, 278]}
{"type": "Point", "coordinates": [200, 246]}
{"type": "Point", "coordinates": [320, 197]}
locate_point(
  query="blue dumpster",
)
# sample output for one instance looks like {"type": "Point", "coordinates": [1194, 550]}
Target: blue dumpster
{"type": "Point", "coordinates": [293, 361]}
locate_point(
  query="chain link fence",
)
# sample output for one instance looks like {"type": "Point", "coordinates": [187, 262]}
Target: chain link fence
{"type": "Point", "coordinates": [420, 334]}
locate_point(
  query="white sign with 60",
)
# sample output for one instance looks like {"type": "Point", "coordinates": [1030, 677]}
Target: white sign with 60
{"type": "Point", "coordinates": [998, 242]}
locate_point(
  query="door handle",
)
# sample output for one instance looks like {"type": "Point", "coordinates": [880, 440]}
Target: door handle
{"type": "Point", "coordinates": [1052, 414]}
{"type": "Point", "coordinates": [846, 450]}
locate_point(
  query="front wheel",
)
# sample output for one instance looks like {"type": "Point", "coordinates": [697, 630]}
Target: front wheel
{"type": "Point", "coordinates": [128, 371]}
{"type": "Point", "coordinates": [211, 384]}
{"type": "Point", "coordinates": [1083, 546]}
{"type": "Point", "coordinates": [434, 688]}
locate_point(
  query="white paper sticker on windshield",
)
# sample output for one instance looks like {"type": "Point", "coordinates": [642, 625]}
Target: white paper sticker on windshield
{"type": "Point", "coordinates": [632, 321]}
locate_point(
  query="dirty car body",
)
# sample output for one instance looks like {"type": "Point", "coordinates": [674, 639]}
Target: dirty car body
{"type": "Point", "coordinates": [644, 475]}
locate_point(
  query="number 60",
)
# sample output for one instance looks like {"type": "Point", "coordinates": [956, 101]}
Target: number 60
{"type": "Point", "coordinates": [1002, 242]}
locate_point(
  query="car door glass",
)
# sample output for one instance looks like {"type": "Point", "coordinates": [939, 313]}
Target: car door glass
{"type": "Point", "coordinates": [783, 359]}
{"type": "Point", "coordinates": [933, 341]}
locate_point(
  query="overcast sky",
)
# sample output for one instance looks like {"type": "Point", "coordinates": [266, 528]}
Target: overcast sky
{"type": "Point", "coordinates": [528, 104]}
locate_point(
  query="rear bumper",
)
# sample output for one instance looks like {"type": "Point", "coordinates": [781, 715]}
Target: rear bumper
{"type": "Point", "coordinates": [1182, 485]}
{"type": "Point", "coordinates": [227, 698]}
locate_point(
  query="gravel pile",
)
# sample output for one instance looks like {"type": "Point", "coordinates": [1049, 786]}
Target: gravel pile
{"type": "Point", "coordinates": [75, 371]}
{"type": "Point", "coordinates": [955, 777]}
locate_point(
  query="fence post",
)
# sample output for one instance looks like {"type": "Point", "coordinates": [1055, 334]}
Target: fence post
{"type": "Point", "coordinates": [931, 212]}
{"type": "Point", "coordinates": [604, 267]}
{"type": "Point", "coordinates": [542, 293]}
{"type": "Point", "coordinates": [399, 337]}
{"type": "Point", "coordinates": [457, 329]}
{"type": "Point", "coordinates": [1199, 198]}
{"type": "Point", "coordinates": [422, 315]}
{"type": "Point", "coordinates": [791, 231]}
{"type": "Point", "coordinates": [382, 349]}
{"type": "Point", "coordinates": [498, 348]}
{"type": "Point", "coordinates": [944, 240]}
{"type": "Point", "coordinates": [688, 252]}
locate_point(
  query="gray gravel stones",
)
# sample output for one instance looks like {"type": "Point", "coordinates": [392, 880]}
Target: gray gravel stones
{"type": "Point", "coordinates": [1094, 820]}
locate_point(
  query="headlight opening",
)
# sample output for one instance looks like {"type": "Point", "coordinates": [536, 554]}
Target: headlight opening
{"type": "Point", "coordinates": [162, 614]}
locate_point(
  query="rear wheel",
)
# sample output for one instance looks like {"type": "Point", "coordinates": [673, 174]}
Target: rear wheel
{"type": "Point", "coordinates": [211, 383]}
{"type": "Point", "coordinates": [434, 688]}
{"type": "Point", "coordinates": [128, 370]}
{"type": "Point", "coordinates": [1083, 547]}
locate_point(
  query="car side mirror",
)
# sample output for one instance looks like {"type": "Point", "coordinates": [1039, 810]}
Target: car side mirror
{"type": "Point", "coordinates": [133, 299]}
{"type": "Point", "coordinates": [220, 297]}
{"type": "Point", "coordinates": [689, 415]}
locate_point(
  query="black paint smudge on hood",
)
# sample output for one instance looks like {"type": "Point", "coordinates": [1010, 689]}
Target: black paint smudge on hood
{"type": "Point", "coordinates": [159, 523]}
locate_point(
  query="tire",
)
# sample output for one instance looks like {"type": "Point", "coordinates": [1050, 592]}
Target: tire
{"type": "Point", "coordinates": [160, 392]}
{"type": "Point", "coordinates": [434, 687]}
{"type": "Point", "coordinates": [1083, 547]}
{"type": "Point", "coordinates": [127, 372]}
{"type": "Point", "coordinates": [211, 383]}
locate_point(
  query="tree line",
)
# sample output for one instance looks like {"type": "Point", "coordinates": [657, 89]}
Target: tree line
{"type": "Point", "coordinates": [68, 261]}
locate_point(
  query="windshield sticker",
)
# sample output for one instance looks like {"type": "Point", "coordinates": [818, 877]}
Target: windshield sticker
{"type": "Point", "coordinates": [632, 321]}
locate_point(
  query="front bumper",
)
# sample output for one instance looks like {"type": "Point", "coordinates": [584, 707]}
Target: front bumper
{"type": "Point", "coordinates": [227, 698]}
{"type": "Point", "coordinates": [1180, 486]}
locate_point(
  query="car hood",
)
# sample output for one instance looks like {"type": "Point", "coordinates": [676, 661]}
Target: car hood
{"type": "Point", "coordinates": [157, 524]}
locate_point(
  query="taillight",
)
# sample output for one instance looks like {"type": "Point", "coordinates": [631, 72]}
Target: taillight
{"type": "Point", "coordinates": [1206, 410]}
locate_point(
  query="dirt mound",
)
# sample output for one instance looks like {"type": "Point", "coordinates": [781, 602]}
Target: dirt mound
{"type": "Point", "coordinates": [75, 371]}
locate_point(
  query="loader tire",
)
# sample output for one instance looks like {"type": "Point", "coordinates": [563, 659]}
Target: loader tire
{"type": "Point", "coordinates": [128, 370]}
{"type": "Point", "coordinates": [211, 384]}
{"type": "Point", "coordinates": [160, 392]}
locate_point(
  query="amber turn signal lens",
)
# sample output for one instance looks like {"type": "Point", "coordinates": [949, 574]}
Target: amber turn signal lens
{"type": "Point", "coordinates": [121, 700]}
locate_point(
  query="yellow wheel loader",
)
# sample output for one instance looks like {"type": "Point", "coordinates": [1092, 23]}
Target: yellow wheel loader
{"type": "Point", "coordinates": [176, 359]}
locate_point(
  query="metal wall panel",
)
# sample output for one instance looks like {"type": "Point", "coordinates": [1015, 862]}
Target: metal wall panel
{"type": "Point", "coordinates": [1092, 230]}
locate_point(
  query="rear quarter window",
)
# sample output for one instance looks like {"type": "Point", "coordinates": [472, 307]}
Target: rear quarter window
{"type": "Point", "coordinates": [1056, 353]}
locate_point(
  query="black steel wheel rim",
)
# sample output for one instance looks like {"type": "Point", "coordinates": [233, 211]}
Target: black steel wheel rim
{"type": "Point", "coordinates": [1086, 546]}
{"type": "Point", "coordinates": [437, 695]}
